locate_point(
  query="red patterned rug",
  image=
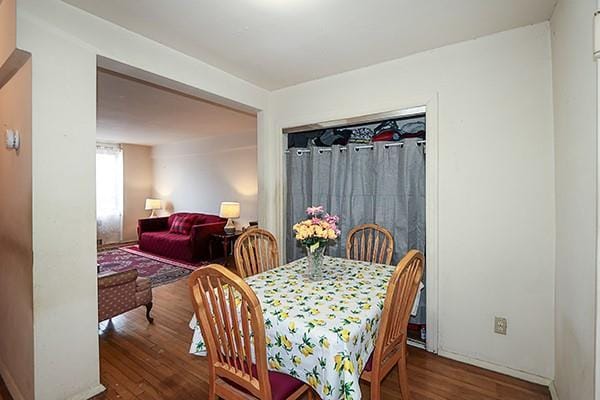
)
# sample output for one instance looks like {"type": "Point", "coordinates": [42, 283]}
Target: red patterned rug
{"type": "Point", "coordinates": [171, 261]}
{"type": "Point", "coordinates": [159, 270]}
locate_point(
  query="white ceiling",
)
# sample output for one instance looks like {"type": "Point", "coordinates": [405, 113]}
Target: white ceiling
{"type": "Point", "coordinates": [132, 111]}
{"type": "Point", "coordinates": [278, 43]}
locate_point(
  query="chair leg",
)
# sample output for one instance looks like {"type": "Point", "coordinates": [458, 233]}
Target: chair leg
{"type": "Point", "coordinates": [148, 309]}
{"type": "Point", "coordinates": [211, 390]}
{"type": "Point", "coordinates": [375, 390]}
{"type": "Point", "coordinates": [403, 378]}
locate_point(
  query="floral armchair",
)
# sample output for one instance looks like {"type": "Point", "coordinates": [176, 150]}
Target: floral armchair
{"type": "Point", "coordinates": [119, 292]}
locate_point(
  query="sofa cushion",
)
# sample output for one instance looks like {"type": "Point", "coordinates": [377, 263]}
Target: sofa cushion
{"type": "Point", "coordinates": [173, 245]}
{"type": "Point", "coordinates": [182, 224]}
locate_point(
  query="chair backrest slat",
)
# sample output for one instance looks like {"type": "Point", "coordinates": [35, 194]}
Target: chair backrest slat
{"type": "Point", "coordinates": [256, 251]}
{"type": "Point", "coordinates": [370, 242]}
{"type": "Point", "coordinates": [232, 324]}
{"type": "Point", "coordinates": [399, 299]}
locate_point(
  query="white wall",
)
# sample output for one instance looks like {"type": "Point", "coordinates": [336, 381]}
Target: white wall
{"type": "Point", "coordinates": [138, 179]}
{"type": "Point", "coordinates": [496, 184]}
{"type": "Point", "coordinates": [65, 43]}
{"type": "Point", "coordinates": [198, 175]}
{"type": "Point", "coordinates": [63, 214]}
{"type": "Point", "coordinates": [64, 228]}
{"type": "Point", "coordinates": [575, 113]}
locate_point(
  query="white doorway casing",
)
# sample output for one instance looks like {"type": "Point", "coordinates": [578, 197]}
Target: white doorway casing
{"type": "Point", "coordinates": [431, 181]}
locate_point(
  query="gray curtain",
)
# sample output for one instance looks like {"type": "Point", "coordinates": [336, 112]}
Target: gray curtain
{"type": "Point", "coordinates": [383, 185]}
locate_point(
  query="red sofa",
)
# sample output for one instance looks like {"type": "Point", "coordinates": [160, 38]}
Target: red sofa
{"type": "Point", "coordinates": [154, 236]}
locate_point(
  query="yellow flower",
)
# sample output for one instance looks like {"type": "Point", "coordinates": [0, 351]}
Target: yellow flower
{"type": "Point", "coordinates": [286, 343]}
{"type": "Point", "coordinates": [292, 327]}
{"type": "Point", "coordinates": [296, 360]}
{"type": "Point", "coordinates": [348, 366]}
{"type": "Point", "coordinates": [325, 343]}
{"type": "Point", "coordinates": [338, 362]}
{"type": "Point", "coordinates": [306, 350]}
{"type": "Point", "coordinates": [312, 381]}
{"type": "Point", "coordinates": [345, 335]}
{"type": "Point", "coordinates": [274, 364]}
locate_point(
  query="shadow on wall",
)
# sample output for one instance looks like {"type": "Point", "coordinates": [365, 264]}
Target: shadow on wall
{"type": "Point", "coordinates": [169, 208]}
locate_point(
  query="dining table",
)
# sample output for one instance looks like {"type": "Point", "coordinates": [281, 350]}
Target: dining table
{"type": "Point", "coordinates": [321, 332]}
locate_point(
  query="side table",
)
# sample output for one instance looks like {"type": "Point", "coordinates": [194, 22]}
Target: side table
{"type": "Point", "coordinates": [226, 240]}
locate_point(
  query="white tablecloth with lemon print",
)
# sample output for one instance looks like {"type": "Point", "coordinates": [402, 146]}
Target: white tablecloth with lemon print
{"type": "Point", "coordinates": [319, 332]}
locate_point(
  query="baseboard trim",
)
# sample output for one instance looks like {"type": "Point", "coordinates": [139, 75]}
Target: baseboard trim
{"type": "Point", "coordinates": [10, 383]}
{"type": "Point", "coordinates": [89, 393]}
{"type": "Point", "coordinates": [553, 392]}
{"type": "Point", "coordinates": [515, 373]}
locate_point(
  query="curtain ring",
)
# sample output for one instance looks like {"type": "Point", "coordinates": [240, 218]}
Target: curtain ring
{"type": "Point", "coordinates": [320, 151]}
{"type": "Point", "coordinates": [299, 153]}
{"type": "Point", "coordinates": [356, 149]}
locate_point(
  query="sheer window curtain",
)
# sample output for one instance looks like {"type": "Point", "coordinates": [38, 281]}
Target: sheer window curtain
{"type": "Point", "coordinates": [109, 192]}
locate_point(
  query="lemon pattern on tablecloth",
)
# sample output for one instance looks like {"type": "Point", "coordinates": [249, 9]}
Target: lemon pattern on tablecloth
{"type": "Point", "coordinates": [320, 332]}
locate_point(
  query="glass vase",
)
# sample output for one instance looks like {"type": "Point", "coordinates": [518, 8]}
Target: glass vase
{"type": "Point", "coordinates": [315, 262]}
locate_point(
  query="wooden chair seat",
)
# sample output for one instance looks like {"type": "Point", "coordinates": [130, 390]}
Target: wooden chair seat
{"type": "Point", "coordinates": [283, 386]}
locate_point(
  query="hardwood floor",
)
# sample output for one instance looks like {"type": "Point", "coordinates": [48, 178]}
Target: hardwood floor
{"type": "Point", "coordinates": [143, 361]}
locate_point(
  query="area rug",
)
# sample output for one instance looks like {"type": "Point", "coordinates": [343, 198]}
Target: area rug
{"type": "Point", "coordinates": [171, 261]}
{"type": "Point", "coordinates": [159, 273]}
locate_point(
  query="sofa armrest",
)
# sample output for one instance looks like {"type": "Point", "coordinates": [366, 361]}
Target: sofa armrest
{"type": "Point", "coordinates": [111, 279]}
{"type": "Point", "coordinates": [202, 232]}
{"type": "Point", "coordinates": [152, 225]}
{"type": "Point", "coordinates": [200, 238]}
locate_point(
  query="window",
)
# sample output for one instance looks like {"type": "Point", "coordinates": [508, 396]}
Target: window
{"type": "Point", "coordinates": [109, 192]}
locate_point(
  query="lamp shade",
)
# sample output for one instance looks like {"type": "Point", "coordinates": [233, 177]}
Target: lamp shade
{"type": "Point", "coordinates": [153, 204]}
{"type": "Point", "coordinates": [229, 209]}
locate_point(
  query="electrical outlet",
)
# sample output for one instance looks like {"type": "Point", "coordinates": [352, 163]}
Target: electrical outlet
{"type": "Point", "coordinates": [500, 325]}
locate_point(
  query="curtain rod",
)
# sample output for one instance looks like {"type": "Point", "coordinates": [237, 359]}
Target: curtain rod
{"type": "Point", "coordinates": [366, 146]}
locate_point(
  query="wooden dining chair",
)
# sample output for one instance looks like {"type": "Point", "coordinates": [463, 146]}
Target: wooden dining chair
{"type": "Point", "coordinates": [232, 325]}
{"type": "Point", "coordinates": [370, 242]}
{"type": "Point", "coordinates": [255, 251]}
{"type": "Point", "coordinates": [390, 345]}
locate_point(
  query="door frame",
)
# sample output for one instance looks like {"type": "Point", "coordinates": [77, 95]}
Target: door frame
{"type": "Point", "coordinates": [430, 102]}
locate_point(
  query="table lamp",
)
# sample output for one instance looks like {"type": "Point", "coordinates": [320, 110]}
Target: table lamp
{"type": "Point", "coordinates": [153, 204]}
{"type": "Point", "coordinates": [231, 211]}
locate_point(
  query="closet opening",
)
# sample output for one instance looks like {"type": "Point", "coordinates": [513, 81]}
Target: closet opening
{"type": "Point", "coordinates": [366, 170]}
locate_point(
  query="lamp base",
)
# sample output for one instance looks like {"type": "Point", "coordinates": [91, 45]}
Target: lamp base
{"type": "Point", "coordinates": [230, 227]}
{"type": "Point", "coordinates": [152, 214]}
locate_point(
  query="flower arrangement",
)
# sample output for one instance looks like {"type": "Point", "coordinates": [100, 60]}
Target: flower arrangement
{"type": "Point", "coordinates": [317, 230]}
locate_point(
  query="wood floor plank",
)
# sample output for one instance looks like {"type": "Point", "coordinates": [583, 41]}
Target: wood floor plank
{"type": "Point", "coordinates": [151, 361]}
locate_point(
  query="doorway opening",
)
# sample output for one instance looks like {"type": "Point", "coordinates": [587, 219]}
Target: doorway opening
{"type": "Point", "coordinates": [368, 169]}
